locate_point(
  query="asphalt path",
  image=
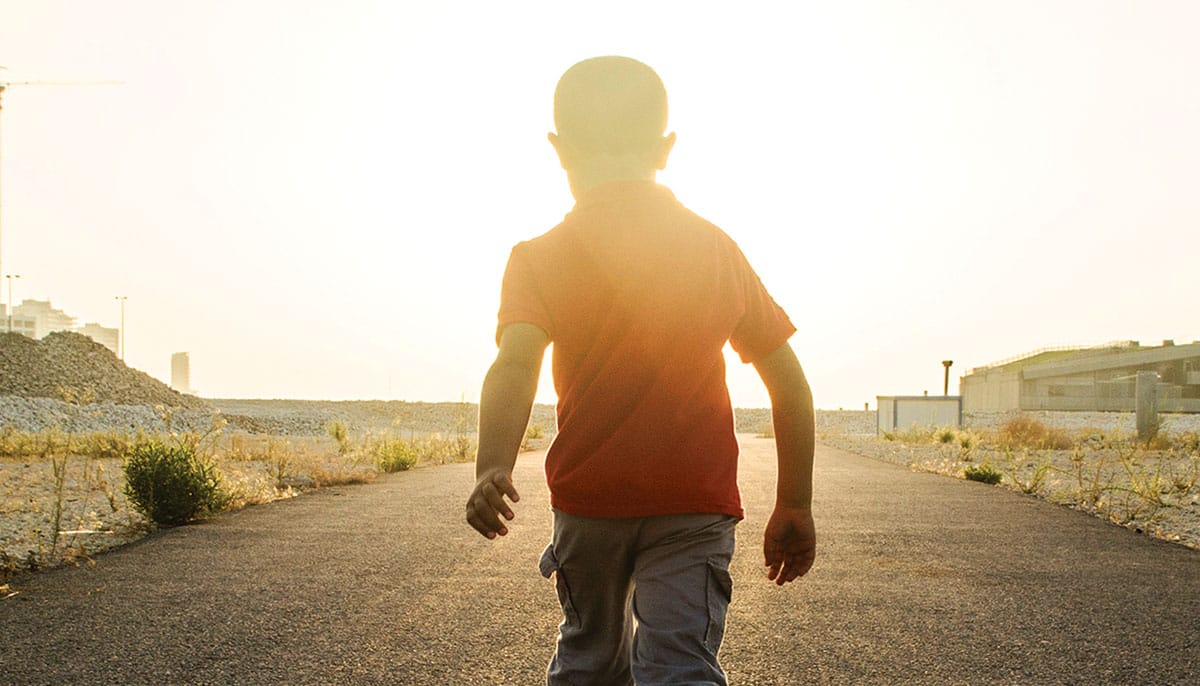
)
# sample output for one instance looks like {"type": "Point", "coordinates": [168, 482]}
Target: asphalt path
{"type": "Point", "coordinates": [920, 579]}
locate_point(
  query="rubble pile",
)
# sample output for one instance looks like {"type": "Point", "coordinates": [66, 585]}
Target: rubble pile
{"type": "Point", "coordinates": [73, 368]}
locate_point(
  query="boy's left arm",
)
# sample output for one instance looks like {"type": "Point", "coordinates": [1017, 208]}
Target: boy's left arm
{"type": "Point", "coordinates": [504, 407]}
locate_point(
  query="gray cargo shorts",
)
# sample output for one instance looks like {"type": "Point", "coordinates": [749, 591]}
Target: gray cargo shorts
{"type": "Point", "coordinates": [643, 599]}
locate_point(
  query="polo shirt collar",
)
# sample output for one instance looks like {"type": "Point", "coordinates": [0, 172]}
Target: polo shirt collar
{"type": "Point", "coordinates": [623, 192]}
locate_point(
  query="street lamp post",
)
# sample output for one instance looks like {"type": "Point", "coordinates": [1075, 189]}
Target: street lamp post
{"type": "Point", "coordinates": [10, 278]}
{"type": "Point", "coordinates": [121, 340]}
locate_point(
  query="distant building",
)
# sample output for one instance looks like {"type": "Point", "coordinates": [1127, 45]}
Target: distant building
{"type": "Point", "coordinates": [19, 323]}
{"type": "Point", "coordinates": [39, 318]}
{"type": "Point", "coordinates": [181, 373]}
{"type": "Point", "coordinates": [1102, 378]}
{"type": "Point", "coordinates": [102, 334]}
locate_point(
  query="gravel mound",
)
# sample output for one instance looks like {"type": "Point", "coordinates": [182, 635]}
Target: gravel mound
{"type": "Point", "coordinates": [312, 417]}
{"type": "Point", "coordinates": [297, 418]}
{"type": "Point", "coordinates": [71, 364]}
{"type": "Point", "coordinates": [40, 414]}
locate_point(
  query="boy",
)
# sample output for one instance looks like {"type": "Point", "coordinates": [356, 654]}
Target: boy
{"type": "Point", "coordinates": [639, 296]}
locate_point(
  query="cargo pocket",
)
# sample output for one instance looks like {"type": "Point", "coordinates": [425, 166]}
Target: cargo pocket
{"type": "Point", "coordinates": [549, 566]}
{"type": "Point", "coordinates": [719, 594]}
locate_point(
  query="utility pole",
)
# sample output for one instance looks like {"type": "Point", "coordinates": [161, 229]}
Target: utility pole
{"type": "Point", "coordinates": [4, 86]}
{"type": "Point", "coordinates": [10, 278]}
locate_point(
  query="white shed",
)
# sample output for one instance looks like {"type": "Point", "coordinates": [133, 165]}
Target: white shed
{"type": "Point", "coordinates": [906, 411]}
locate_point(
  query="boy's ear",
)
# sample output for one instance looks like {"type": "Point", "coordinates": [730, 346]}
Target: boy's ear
{"type": "Point", "coordinates": [558, 148]}
{"type": "Point", "coordinates": [664, 151]}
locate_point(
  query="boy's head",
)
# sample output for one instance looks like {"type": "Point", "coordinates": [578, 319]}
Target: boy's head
{"type": "Point", "coordinates": [611, 109]}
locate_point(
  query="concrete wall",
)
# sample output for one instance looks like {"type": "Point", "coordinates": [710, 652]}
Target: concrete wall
{"type": "Point", "coordinates": [1096, 380]}
{"type": "Point", "coordinates": [1108, 404]}
{"type": "Point", "coordinates": [992, 391]}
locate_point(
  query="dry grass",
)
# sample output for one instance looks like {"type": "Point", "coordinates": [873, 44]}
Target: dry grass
{"type": "Point", "coordinates": [1029, 433]}
{"type": "Point", "coordinates": [61, 495]}
{"type": "Point", "coordinates": [1131, 483]}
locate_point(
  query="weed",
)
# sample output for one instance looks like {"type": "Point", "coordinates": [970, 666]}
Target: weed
{"type": "Point", "coordinates": [967, 440]}
{"type": "Point", "coordinates": [1148, 485]}
{"type": "Point", "coordinates": [1033, 482]}
{"type": "Point", "coordinates": [58, 468]}
{"type": "Point", "coordinates": [337, 431]}
{"type": "Point", "coordinates": [9, 566]}
{"type": "Point", "coordinates": [983, 473]}
{"type": "Point", "coordinates": [109, 494]}
{"type": "Point", "coordinates": [279, 462]}
{"type": "Point", "coordinates": [1188, 442]}
{"type": "Point", "coordinates": [76, 396]}
{"type": "Point", "coordinates": [395, 455]}
{"type": "Point", "coordinates": [464, 448]}
{"type": "Point", "coordinates": [1185, 480]}
{"type": "Point", "coordinates": [533, 433]}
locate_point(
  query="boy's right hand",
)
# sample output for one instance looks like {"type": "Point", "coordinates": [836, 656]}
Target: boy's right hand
{"type": "Point", "coordinates": [486, 504]}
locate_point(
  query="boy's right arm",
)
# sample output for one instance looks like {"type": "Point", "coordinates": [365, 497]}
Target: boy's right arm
{"type": "Point", "coordinates": [504, 407]}
{"type": "Point", "coordinates": [790, 541]}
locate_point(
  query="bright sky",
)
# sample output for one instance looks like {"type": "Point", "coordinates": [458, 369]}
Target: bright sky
{"type": "Point", "coordinates": [317, 199]}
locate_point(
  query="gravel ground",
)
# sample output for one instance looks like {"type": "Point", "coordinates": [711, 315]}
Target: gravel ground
{"type": "Point", "coordinates": [1154, 492]}
{"type": "Point", "coordinates": [94, 514]}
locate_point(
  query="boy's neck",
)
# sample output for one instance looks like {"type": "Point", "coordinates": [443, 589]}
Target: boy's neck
{"type": "Point", "coordinates": [598, 172]}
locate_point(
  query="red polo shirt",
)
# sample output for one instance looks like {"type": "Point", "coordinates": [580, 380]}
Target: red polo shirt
{"type": "Point", "coordinates": [639, 296]}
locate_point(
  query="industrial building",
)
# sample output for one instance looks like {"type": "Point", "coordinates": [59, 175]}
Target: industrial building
{"type": "Point", "coordinates": [1101, 378]}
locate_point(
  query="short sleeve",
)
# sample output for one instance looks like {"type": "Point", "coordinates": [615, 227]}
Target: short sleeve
{"type": "Point", "coordinates": [520, 297]}
{"type": "Point", "coordinates": [764, 326]}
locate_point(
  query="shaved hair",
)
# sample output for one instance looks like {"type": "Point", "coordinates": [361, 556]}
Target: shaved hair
{"type": "Point", "coordinates": [610, 105]}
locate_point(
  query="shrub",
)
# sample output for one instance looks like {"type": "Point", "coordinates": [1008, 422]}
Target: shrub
{"type": "Point", "coordinates": [171, 484]}
{"type": "Point", "coordinates": [395, 455]}
{"type": "Point", "coordinates": [983, 474]}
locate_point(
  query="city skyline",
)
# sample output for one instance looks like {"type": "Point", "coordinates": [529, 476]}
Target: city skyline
{"type": "Point", "coordinates": [319, 204]}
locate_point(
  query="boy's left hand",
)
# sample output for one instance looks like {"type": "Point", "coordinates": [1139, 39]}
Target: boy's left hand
{"type": "Point", "coordinates": [789, 543]}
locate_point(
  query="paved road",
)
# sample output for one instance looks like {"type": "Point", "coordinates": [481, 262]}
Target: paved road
{"type": "Point", "coordinates": [920, 580]}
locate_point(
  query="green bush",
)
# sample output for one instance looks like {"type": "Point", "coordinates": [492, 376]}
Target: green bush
{"type": "Point", "coordinates": [983, 473]}
{"type": "Point", "coordinates": [171, 484]}
{"type": "Point", "coordinates": [396, 455]}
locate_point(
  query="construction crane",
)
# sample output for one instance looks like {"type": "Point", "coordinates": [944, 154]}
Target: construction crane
{"type": "Point", "coordinates": [4, 84]}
